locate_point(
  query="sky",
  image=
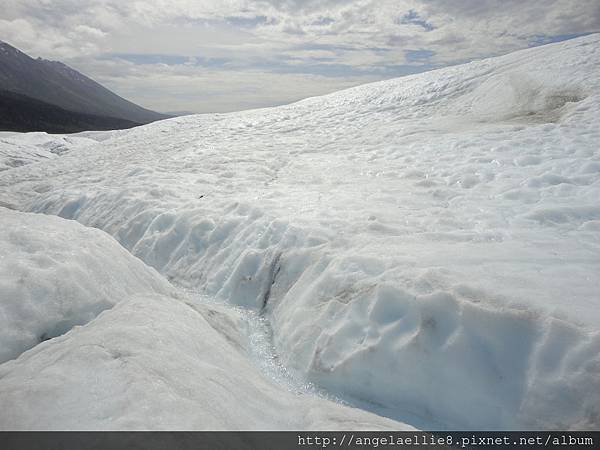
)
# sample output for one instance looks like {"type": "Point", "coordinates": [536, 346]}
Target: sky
{"type": "Point", "coordinates": [226, 55]}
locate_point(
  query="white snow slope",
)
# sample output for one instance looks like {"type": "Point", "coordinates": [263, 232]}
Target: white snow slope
{"type": "Point", "coordinates": [146, 357]}
{"type": "Point", "coordinates": [18, 149]}
{"type": "Point", "coordinates": [426, 247]}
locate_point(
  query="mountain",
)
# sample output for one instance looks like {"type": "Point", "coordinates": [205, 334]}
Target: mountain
{"type": "Point", "coordinates": [56, 83]}
{"type": "Point", "coordinates": [21, 113]}
{"type": "Point", "coordinates": [425, 248]}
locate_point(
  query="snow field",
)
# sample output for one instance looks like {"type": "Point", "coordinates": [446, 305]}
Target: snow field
{"type": "Point", "coordinates": [18, 149]}
{"type": "Point", "coordinates": [425, 247]}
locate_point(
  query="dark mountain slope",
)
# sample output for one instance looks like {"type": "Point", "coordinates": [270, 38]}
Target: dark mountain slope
{"type": "Point", "coordinates": [55, 83]}
{"type": "Point", "coordinates": [21, 113]}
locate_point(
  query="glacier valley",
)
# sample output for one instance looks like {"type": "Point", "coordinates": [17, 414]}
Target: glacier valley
{"type": "Point", "coordinates": [422, 252]}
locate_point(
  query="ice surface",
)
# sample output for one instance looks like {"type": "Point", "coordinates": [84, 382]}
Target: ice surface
{"type": "Point", "coordinates": [19, 149]}
{"type": "Point", "coordinates": [146, 360]}
{"type": "Point", "coordinates": [156, 363]}
{"type": "Point", "coordinates": [57, 274]}
{"type": "Point", "coordinates": [425, 246]}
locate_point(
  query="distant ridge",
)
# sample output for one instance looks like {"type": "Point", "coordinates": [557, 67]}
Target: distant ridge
{"type": "Point", "coordinates": [57, 84]}
{"type": "Point", "coordinates": [21, 113]}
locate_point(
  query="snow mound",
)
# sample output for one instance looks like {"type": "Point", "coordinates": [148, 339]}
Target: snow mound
{"type": "Point", "coordinates": [57, 274]}
{"type": "Point", "coordinates": [518, 96]}
{"type": "Point", "coordinates": [507, 368]}
{"type": "Point", "coordinates": [18, 149]}
{"type": "Point", "coordinates": [414, 242]}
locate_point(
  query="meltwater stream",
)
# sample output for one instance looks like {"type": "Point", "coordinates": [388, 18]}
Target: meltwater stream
{"type": "Point", "coordinates": [261, 352]}
{"type": "Point", "coordinates": [260, 348]}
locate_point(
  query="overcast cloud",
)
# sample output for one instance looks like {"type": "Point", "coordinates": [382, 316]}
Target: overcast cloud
{"type": "Point", "coordinates": [205, 55]}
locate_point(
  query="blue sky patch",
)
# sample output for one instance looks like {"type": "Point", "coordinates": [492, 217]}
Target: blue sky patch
{"type": "Point", "coordinates": [418, 55]}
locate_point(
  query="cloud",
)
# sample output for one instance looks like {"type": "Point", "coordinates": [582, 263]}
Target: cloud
{"type": "Point", "coordinates": [202, 88]}
{"type": "Point", "coordinates": [277, 50]}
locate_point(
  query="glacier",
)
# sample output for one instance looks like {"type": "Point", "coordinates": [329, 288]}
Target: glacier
{"type": "Point", "coordinates": [93, 339]}
{"type": "Point", "coordinates": [425, 251]}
